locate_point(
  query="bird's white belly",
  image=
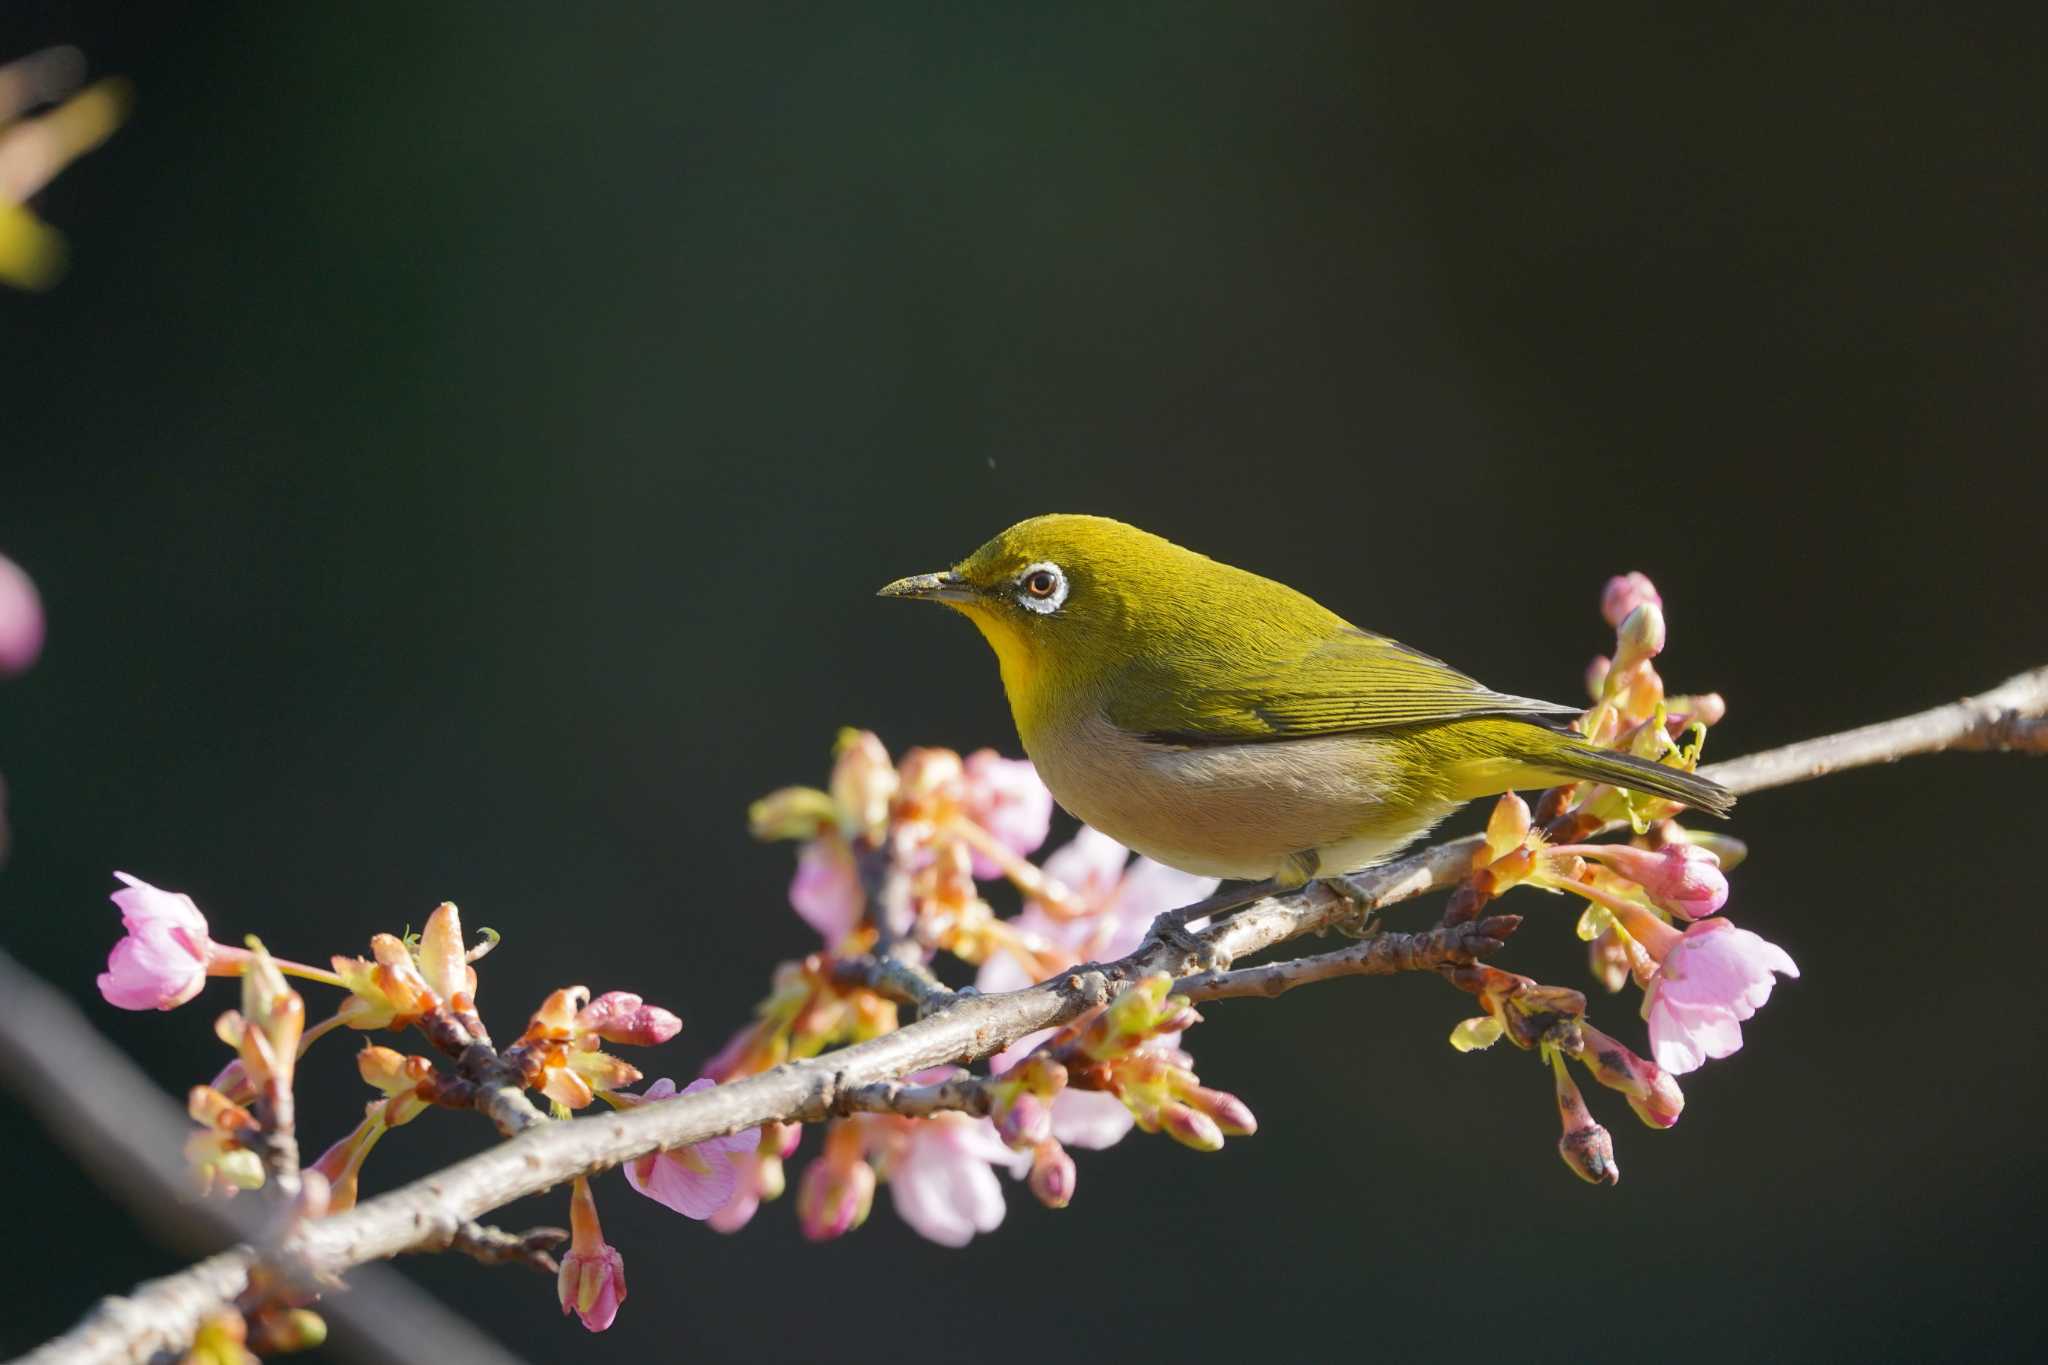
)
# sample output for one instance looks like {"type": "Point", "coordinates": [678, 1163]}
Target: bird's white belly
{"type": "Point", "coordinates": [1237, 810]}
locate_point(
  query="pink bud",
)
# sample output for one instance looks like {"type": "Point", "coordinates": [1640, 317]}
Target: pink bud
{"type": "Point", "coordinates": [1623, 594]}
{"type": "Point", "coordinates": [1053, 1175]}
{"type": "Point", "coordinates": [1191, 1128]}
{"type": "Point", "coordinates": [21, 621]}
{"type": "Point", "coordinates": [1232, 1115]}
{"type": "Point", "coordinates": [623, 1017]}
{"type": "Point", "coordinates": [1024, 1121]}
{"type": "Point", "coordinates": [1596, 676]}
{"type": "Point", "coordinates": [1650, 1090]}
{"type": "Point", "coordinates": [834, 1197]}
{"type": "Point", "coordinates": [592, 1283]}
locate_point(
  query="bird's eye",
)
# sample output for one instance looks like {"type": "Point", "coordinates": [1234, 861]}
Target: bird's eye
{"type": "Point", "coordinates": [1042, 588]}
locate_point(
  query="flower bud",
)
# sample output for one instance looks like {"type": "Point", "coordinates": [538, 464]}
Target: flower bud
{"type": "Point", "coordinates": [792, 813]}
{"type": "Point", "coordinates": [1586, 1147]}
{"type": "Point", "coordinates": [1596, 676]}
{"type": "Point", "coordinates": [834, 1197]}
{"type": "Point", "coordinates": [1649, 1089]}
{"type": "Point", "coordinates": [1232, 1115]}
{"type": "Point", "coordinates": [443, 961]}
{"type": "Point", "coordinates": [1022, 1119]}
{"type": "Point", "coordinates": [592, 1282]}
{"type": "Point", "coordinates": [1191, 1128]}
{"type": "Point", "coordinates": [863, 785]}
{"type": "Point", "coordinates": [622, 1017]}
{"type": "Point", "coordinates": [1640, 640]}
{"type": "Point", "coordinates": [1507, 826]}
{"type": "Point", "coordinates": [1607, 956]}
{"type": "Point", "coordinates": [282, 1331]}
{"type": "Point", "coordinates": [1623, 594]}
{"type": "Point", "coordinates": [1053, 1175]}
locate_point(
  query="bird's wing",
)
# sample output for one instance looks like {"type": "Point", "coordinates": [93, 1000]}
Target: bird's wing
{"type": "Point", "coordinates": [1353, 680]}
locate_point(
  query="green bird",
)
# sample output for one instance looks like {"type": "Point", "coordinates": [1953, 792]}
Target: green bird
{"type": "Point", "coordinates": [1227, 725]}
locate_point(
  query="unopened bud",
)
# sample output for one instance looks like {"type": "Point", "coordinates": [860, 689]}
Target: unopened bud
{"type": "Point", "coordinates": [1586, 1147]}
{"type": "Point", "coordinates": [1640, 640]}
{"type": "Point", "coordinates": [1190, 1127]}
{"type": "Point", "coordinates": [1507, 826]}
{"type": "Point", "coordinates": [1053, 1175]}
{"type": "Point", "coordinates": [1624, 593]}
{"type": "Point", "coordinates": [834, 1197]}
{"type": "Point", "coordinates": [623, 1017]}
{"type": "Point", "coordinates": [1232, 1115]}
{"type": "Point", "coordinates": [863, 785]}
{"type": "Point", "coordinates": [1022, 1120]}
{"type": "Point", "coordinates": [1607, 956]}
{"type": "Point", "coordinates": [1596, 676]}
{"type": "Point", "coordinates": [390, 1071]}
{"type": "Point", "coordinates": [282, 1331]}
{"type": "Point", "coordinates": [792, 813]}
{"type": "Point", "coordinates": [1649, 1089]}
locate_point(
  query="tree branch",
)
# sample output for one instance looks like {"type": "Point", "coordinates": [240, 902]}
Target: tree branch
{"type": "Point", "coordinates": [431, 1211]}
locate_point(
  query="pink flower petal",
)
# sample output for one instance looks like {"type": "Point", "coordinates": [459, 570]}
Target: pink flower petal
{"type": "Point", "coordinates": [696, 1181]}
{"type": "Point", "coordinates": [826, 889]}
{"type": "Point", "coordinates": [1005, 797]}
{"type": "Point", "coordinates": [1089, 1119]}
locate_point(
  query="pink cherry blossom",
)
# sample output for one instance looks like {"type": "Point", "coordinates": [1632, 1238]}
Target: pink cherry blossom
{"type": "Point", "coordinates": [161, 962]}
{"type": "Point", "coordinates": [592, 1282]}
{"type": "Point", "coordinates": [21, 620]}
{"type": "Point", "coordinates": [1120, 896]}
{"type": "Point", "coordinates": [1711, 978]}
{"type": "Point", "coordinates": [1005, 797]}
{"type": "Point", "coordinates": [826, 890]}
{"type": "Point", "coordinates": [942, 1177]}
{"type": "Point", "coordinates": [1623, 594]}
{"type": "Point", "coordinates": [698, 1180]}
{"type": "Point", "coordinates": [1681, 878]}
{"type": "Point", "coordinates": [759, 1179]}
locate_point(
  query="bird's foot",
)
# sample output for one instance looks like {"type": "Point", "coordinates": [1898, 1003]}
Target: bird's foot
{"type": "Point", "coordinates": [1363, 921]}
{"type": "Point", "coordinates": [1195, 953]}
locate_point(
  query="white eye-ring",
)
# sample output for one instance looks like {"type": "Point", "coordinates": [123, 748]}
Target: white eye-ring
{"type": "Point", "coordinates": [1042, 588]}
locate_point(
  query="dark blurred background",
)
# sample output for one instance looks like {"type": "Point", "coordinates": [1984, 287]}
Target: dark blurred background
{"type": "Point", "coordinates": [461, 456]}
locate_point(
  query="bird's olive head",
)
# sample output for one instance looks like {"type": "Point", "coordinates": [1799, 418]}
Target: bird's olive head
{"type": "Point", "coordinates": [1056, 592]}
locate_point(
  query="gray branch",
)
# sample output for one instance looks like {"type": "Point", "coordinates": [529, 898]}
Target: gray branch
{"type": "Point", "coordinates": [432, 1211]}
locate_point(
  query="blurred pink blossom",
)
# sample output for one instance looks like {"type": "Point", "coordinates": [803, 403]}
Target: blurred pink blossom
{"type": "Point", "coordinates": [1623, 594]}
{"type": "Point", "coordinates": [1005, 797]}
{"type": "Point", "coordinates": [1710, 978]}
{"type": "Point", "coordinates": [161, 962]}
{"type": "Point", "coordinates": [942, 1179]}
{"type": "Point", "coordinates": [826, 889]}
{"type": "Point", "coordinates": [21, 619]}
{"type": "Point", "coordinates": [698, 1180]}
{"type": "Point", "coordinates": [1120, 896]}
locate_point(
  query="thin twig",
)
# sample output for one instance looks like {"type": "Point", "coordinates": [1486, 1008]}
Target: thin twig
{"type": "Point", "coordinates": [164, 1314]}
{"type": "Point", "coordinates": [495, 1246]}
{"type": "Point", "coordinates": [1381, 955]}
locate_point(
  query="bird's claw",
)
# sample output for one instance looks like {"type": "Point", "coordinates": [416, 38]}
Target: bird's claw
{"type": "Point", "coordinates": [1363, 921]}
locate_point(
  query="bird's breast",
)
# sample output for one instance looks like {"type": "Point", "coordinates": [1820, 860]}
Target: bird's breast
{"type": "Point", "coordinates": [1233, 810]}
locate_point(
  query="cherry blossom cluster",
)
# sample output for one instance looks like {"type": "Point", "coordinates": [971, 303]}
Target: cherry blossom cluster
{"type": "Point", "coordinates": [1651, 904]}
{"type": "Point", "coordinates": [898, 859]}
{"type": "Point", "coordinates": [424, 984]}
{"type": "Point", "coordinates": [900, 863]}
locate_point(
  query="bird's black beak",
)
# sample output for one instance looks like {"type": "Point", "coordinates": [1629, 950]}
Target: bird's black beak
{"type": "Point", "coordinates": [930, 587]}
